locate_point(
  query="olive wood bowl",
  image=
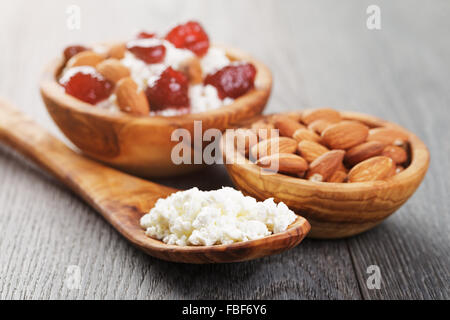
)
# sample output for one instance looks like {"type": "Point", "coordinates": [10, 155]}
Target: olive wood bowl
{"type": "Point", "coordinates": [334, 210]}
{"type": "Point", "coordinates": [142, 145]}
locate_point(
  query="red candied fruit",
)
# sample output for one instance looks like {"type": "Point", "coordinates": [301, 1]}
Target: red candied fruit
{"type": "Point", "coordinates": [86, 84]}
{"type": "Point", "coordinates": [145, 35]}
{"type": "Point", "coordinates": [148, 54]}
{"type": "Point", "coordinates": [169, 91]}
{"type": "Point", "coordinates": [233, 81]}
{"type": "Point", "coordinates": [189, 36]}
{"type": "Point", "coordinates": [70, 51]}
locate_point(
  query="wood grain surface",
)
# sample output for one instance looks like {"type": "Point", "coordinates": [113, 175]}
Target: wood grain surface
{"type": "Point", "coordinates": [320, 53]}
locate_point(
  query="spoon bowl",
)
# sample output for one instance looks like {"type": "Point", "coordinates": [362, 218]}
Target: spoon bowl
{"type": "Point", "coordinates": [142, 145]}
{"type": "Point", "coordinates": [123, 199]}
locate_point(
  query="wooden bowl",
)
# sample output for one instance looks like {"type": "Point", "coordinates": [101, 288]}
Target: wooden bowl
{"type": "Point", "coordinates": [142, 145]}
{"type": "Point", "coordinates": [335, 210]}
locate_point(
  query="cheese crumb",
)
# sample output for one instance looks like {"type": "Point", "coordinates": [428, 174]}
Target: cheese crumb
{"type": "Point", "coordinates": [202, 98]}
{"type": "Point", "coordinates": [215, 59]}
{"type": "Point", "coordinates": [223, 216]}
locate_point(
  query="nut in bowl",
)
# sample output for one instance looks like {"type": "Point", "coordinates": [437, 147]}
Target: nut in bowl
{"type": "Point", "coordinates": [120, 103]}
{"type": "Point", "coordinates": [347, 173]}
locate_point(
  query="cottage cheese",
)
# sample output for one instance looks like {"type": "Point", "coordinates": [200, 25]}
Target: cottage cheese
{"type": "Point", "coordinates": [68, 73]}
{"type": "Point", "coordinates": [223, 216]}
{"type": "Point", "coordinates": [215, 59]}
{"type": "Point", "coordinates": [202, 98]}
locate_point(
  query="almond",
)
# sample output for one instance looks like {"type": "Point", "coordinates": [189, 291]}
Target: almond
{"type": "Point", "coordinates": [286, 125]}
{"type": "Point", "coordinates": [332, 145]}
{"type": "Point", "coordinates": [294, 115]}
{"type": "Point", "coordinates": [85, 58]}
{"type": "Point", "coordinates": [117, 51]}
{"type": "Point", "coordinates": [306, 134]}
{"type": "Point", "coordinates": [324, 166]}
{"type": "Point", "coordinates": [345, 134]}
{"type": "Point", "coordinates": [319, 125]}
{"type": "Point", "coordinates": [272, 146]}
{"type": "Point", "coordinates": [342, 167]}
{"type": "Point", "coordinates": [338, 176]}
{"type": "Point", "coordinates": [263, 129]}
{"type": "Point", "coordinates": [393, 171]}
{"type": "Point", "coordinates": [284, 163]}
{"type": "Point", "coordinates": [397, 154]}
{"type": "Point", "coordinates": [245, 139]}
{"type": "Point", "coordinates": [311, 115]}
{"type": "Point", "coordinates": [363, 151]}
{"type": "Point", "coordinates": [376, 168]}
{"type": "Point", "coordinates": [113, 70]}
{"type": "Point", "coordinates": [387, 136]}
{"type": "Point", "coordinates": [311, 150]}
{"type": "Point", "coordinates": [130, 98]}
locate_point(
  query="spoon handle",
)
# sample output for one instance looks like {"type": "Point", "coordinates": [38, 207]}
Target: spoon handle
{"type": "Point", "coordinates": [79, 173]}
{"type": "Point", "coordinates": [22, 134]}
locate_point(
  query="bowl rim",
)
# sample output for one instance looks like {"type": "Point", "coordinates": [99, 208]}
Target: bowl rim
{"type": "Point", "coordinates": [420, 158]}
{"type": "Point", "coordinates": [50, 87]}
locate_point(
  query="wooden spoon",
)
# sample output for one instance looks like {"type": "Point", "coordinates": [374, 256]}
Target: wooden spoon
{"type": "Point", "coordinates": [142, 145]}
{"type": "Point", "coordinates": [122, 199]}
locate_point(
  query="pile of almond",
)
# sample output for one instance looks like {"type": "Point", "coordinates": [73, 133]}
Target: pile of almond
{"type": "Point", "coordinates": [319, 145]}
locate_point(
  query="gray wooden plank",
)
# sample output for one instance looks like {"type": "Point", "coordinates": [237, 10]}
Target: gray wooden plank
{"type": "Point", "coordinates": [45, 229]}
{"type": "Point", "coordinates": [412, 247]}
{"type": "Point", "coordinates": [41, 238]}
{"type": "Point", "coordinates": [399, 73]}
{"type": "Point", "coordinates": [321, 54]}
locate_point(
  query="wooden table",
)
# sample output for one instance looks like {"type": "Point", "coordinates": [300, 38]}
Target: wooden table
{"type": "Point", "coordinates": [321, 54]}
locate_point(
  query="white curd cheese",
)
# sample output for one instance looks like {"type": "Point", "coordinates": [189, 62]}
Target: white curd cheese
{"type": "Point", "coordinates": [142, 73]}
{"type": "Point", "coordinates": [109, 104]}
{"type": "Point", "coordinates": [202, 98]}
{"type": "Point", "coordinates": [174, 56]}
{"type": "Point", "coordinates": [215, 59]}
{"type": "Point", "coordinates": [70, 72]}
{"type": "Point", "coordinates": [169, 112]}
{"type": "Point", "coordinates": [223, 216]}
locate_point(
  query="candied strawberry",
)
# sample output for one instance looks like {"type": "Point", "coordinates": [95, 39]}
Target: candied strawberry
{"type": "Point", "coordinates": [148, 54]}
{"type": "Point", "coordinates": [169, 91]}
{"type": "Point", "coordinates": [233, 81]}
{"type": "Point", "coordinates": [189, 36]}
{"type": "Point", "coordinates": [145, 35]}
{"type": "Point", "coordinates": [70, 51]}
{"type": "Point", "coordinates": [86, 84]}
